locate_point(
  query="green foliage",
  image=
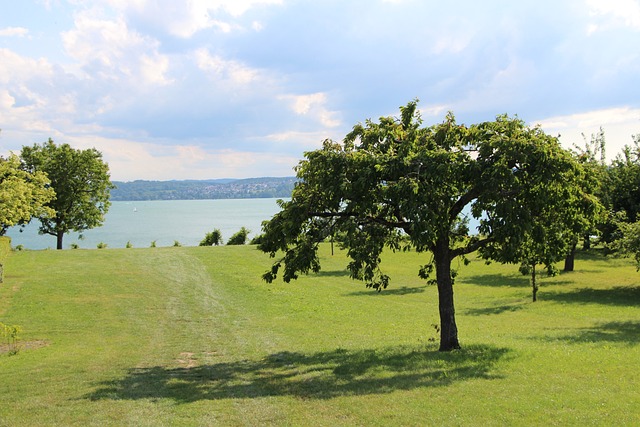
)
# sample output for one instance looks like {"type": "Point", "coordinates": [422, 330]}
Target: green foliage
{"type": "Point", "coordinates": [213, 238]}
{"type": "Point", "coordinates": [397, 184]}
{"type": "Point", "coordinates": [10, 335]}
{"type": "Point", "coordinates": [81, 182]}
{"type": "Point", "coordinates": [101, 245]}
{"type": "Point", "coordinates": [176, 244]}
{"type": "Point", "coordinates": [153, 244]}
{"type": "Point", "coordinates": [240, 237]}
{"type": "Point", "coordinates": [257, 240]}
{"type": "Point", "coordinates": [75, 246]}
{"type": "Point", "coordinates": [23, 194]}
{"type": "Point", "coordinates": [129, 245]}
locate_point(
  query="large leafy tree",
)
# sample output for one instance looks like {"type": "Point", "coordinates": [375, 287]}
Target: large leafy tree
{"type": "Point", "coordinates": [23, 195]}
{"type": "Point", "coordinates": [397, 184]}
{"type": "Point", "coordinates": [81, 181]}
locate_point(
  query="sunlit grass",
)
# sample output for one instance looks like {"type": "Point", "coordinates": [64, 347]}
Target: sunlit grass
{"type": "Point", "coordinates": [192, 336]}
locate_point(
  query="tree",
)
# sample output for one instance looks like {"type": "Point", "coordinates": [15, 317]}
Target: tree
{"type": "Point", "coordinates": [398, 185]}
{"type": "Point", "coordinates": [23, 195]}
{"type": "Point", "coordinates": [80, 179]}
{"type": "Point", "coordinates": [592, 157]}
{"type": "Point", "coordinates": [239, 238]}
{"type": "Point", "coordinates": [212, 238]}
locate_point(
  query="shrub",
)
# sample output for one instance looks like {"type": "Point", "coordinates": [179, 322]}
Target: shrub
{"type": "Point", "coordinates": [153, 244]}
{"type": "Point", "coordinates": [213, 238]}
{"type": "Point", "coordinates": [10, 335]}
{"type": "Point", "coordinates": [257, 240]}
{"type": "Point", "coordinates": [240, 238]}
{"type": "Point", "coordinates": [128, 245]}
{"type": "Point", "coordinates": [176, 244]}
{"type": "Point", "coordinates": [102, 245]}
{"type": "Point", "coordinates": [75, 246]}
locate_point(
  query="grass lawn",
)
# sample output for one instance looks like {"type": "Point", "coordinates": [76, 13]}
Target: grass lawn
{"type": "Point", "coordinates": [192, 336]}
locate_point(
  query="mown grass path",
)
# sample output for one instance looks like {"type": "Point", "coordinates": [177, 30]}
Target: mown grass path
{"type": "Point", "coordinates": [192, 336]}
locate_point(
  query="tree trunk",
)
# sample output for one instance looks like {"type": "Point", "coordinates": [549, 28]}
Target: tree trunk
{"type": "Point", "coordinates": [448, 328]}
{"type": "Point", "coordinates": [59, 236]}
{"type": "Point", "coordinates": [534, 285]}
{"type": "Point", "coordinates": [570, 259]}
{"type": "Point", "coordinates": [586, 244]}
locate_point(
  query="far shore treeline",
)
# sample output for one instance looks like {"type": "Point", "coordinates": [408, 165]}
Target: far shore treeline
{"type": "Point", "coordinates": [251, 188]}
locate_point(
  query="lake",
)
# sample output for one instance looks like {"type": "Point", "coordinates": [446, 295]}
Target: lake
{"type": "Point", "coordinates": [162, 221]}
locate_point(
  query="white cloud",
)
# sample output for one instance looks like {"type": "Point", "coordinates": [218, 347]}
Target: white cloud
{"type": "Point", "coordinates": [16, 68]}
{"type": "Point", "coordinates": [13, 32]}
{"type": "Point", "coordinates": [108, 49]}
{"type": "Point", "coordinates": [130, 160]}
{"type": "Point", "coordinates": [613, 13]}
{"type": "Point", "coordinates": [184, 19]}
{"type": "Point", "coordinates": [220, 68]}
{"type": "Point", "coordinates": [313, 105]}
{"type": "Point", "coordinates": [619, 125]}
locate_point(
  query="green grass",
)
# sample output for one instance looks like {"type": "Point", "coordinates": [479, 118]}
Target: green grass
{"type": "Point", "coordinates": [192, 336]}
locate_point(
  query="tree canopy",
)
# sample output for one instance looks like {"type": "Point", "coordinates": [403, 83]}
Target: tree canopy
{"type": "Point", "coordinates": [396, 184]}
{"type": "Point", "coordinates": [81, 182]}
{"type": "Point", "coordinates": [23, 195]}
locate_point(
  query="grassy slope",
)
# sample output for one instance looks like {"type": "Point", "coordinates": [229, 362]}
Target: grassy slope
{"type": "Point", "coordinates": [191, 336]}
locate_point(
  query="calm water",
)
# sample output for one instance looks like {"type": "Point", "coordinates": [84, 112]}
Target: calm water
{"type": "Point", "coordinates": [165, 221]}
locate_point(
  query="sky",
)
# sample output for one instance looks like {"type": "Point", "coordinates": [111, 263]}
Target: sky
{"type": "Point", "coordinates": [204, 89]}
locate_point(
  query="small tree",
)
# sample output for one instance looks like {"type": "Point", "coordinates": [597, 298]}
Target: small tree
{"type": "Point", "coordinates": [213, 238]}
{"type": "Point", "coordinates": [239, 238]}
{"type": "Point", "coordinates": [23, 194]}
{"type": "Point", "coordinates": [81, 182]}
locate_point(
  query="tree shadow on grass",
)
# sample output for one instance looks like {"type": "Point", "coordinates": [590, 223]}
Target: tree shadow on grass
{"type": "Point", "coordinates": [321, 375]}
{"type": "Point", "coordinates": [496, 280]}
{"type": "Point", "coordinates": [405, 290]}
{"type": "Point", "coordinates": [614, 332]}
{"type": "Point", "coordinates": [619, 295]}
{"type": "Point", "coordinates": [498, 309]}
{"type": "Point", "coordinates": [332, 273]}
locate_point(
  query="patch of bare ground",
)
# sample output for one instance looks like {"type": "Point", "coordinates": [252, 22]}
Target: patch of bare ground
{"type": "Point", "coordinates": [23, 345]}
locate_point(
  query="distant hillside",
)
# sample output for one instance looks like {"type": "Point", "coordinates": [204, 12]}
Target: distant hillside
{"type": "Point", "coordinates": [252, 188]}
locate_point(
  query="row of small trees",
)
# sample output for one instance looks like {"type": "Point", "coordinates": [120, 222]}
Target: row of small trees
{"type": "Point", "coordinates": [214, 238]}
{"type": "Point", "coordinates": [65, 188]}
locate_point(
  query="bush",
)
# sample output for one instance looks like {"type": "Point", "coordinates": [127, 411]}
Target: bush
{"type": "Point", "coordinates": [240, 238]}
{"type": "Point", "coordinates": [257, 240]}
{"type": "Point", "coordinates": [128, 245]}
{"type": "Point", "coordinates": [11, 335]}
{"type": "Point", "coordinates": [212, 238]}
{"type": "Point", "coordinates": [101, 245]}
{"type": "Point", "coordinates": [176, 244]}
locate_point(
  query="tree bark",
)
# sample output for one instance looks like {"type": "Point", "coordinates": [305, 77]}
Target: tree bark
{"type": "Point", "coordinates": [59, 237]}
{"type": "Point", "coordinates": [534, 285]}
{"type": "Point", "coordinates": [448, 329]}
{"type": "Point", "coordinates": [570, 259]}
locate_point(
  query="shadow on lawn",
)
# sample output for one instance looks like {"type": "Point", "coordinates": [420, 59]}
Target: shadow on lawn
{"type": "Point", "coordinates": [405, 290]}
{"type": "Point", "coordinates": [496, 280]}
{"type": "Point", "coordinates": [616, 332]}
{"type": "Point", "coordinates": [322, 375]}
{"type": "Point", "coordinates": [498, 309]}
{"type": "Point", "coordinates": [620, 295]}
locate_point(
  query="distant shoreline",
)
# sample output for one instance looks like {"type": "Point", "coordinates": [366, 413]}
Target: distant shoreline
{"type": "Point", "coordinates": [249, 188]}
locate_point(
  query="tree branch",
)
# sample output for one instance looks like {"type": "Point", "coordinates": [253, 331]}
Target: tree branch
{"type": "Point", "coordinates": [471, 247]}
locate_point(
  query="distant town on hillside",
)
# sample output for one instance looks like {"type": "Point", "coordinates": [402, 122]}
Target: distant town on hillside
{"type": "Point", "coordinates": [251, 188]}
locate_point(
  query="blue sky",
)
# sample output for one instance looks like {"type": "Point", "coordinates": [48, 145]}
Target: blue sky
{"type": "Point", "coordinates": [201, 89]}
